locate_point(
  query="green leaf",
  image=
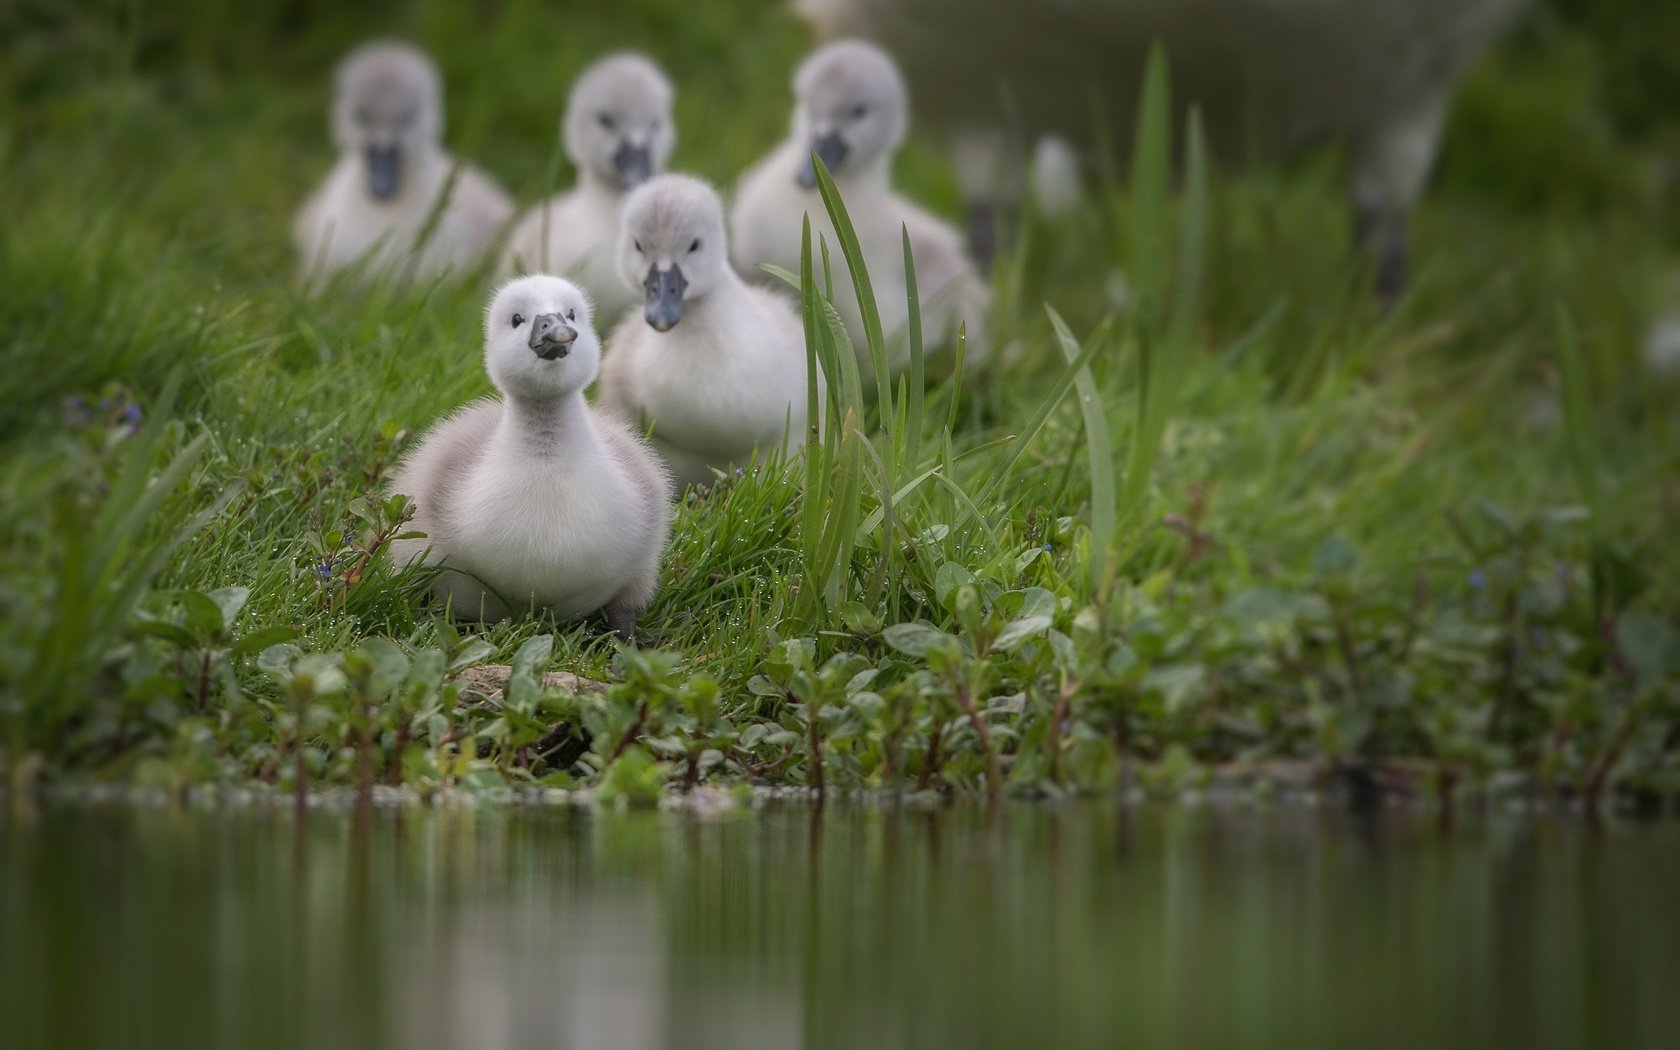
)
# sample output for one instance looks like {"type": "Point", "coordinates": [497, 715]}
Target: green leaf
{"type": "Point", "coordinates": [262, 639]}
{"type": "Point", "coordinates": [858, 618]}
{"type": "Point", "coordinates": [1651, 646]}
{"type": "Point", "coordinates": [1018, 631]}
{"type": "Point", "coordinates": [173, 633]}
{"type": "Point", "coordinates": [915, 639]}
{"type": "Point", "coordinates": [278, 660]}
{"type": "Point", "coordinates": [204, 615]}
{"type": "Point", "coordinates": [532, 657]}
{"type": "Point", "coordinates": [1334, 556]}
{"type": "Point", "coordinates": [948, 578]}
{"type": "Point", "coordinates": [230, 600]}
{"type": "Point", "coordinates": [474, 652]}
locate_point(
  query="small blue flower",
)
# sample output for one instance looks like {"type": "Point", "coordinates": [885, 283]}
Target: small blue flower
{"type": "Point", "coordinates": [324, 570]}
{"type": "Point", "coordinates": [1478, 579]}
{"type": "Point", "coordinates": [131, 415]}
{"type": "Point", "coordinates": [1049, 548]}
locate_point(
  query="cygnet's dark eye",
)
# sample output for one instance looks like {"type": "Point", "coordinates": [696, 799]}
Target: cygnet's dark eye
{"type": "Point", "coordinates": [637, 242]}
{"type": "Point", "coordinates": [518, 319]}
{"type": "Point", "coordinates": [571, 315]}
{"type": "Point", "coordinates": [695, 246]}
{"type": "Point", "coordinates": [859, 112]}
{"type": "Point", "coordinates": [605, 120]}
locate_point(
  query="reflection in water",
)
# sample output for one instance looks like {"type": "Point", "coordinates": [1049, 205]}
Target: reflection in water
{"type": "Point", "coordinates": [1079, 926]}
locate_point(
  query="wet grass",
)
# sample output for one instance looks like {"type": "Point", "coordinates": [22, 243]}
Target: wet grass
{"type": "Point", "coordinates": [1253, 518]}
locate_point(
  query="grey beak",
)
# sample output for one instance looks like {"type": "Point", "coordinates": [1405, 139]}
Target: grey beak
{"type": "Point", "coordinates": [634, 165]}
{"type": "Point", "coordinates": [664, 296]}
{"type": "Point", "coordinates": [832, 149]}
{"type": "Point", "coordinates": [551, 336]}
{"type": "Point", "coordinates": [384, 170]}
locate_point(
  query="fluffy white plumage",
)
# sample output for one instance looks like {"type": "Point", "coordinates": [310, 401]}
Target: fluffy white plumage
{"type": "Point", "coordinates": [617, 132]}
{"type": "Point", "coordinates": [392, 172]}
{"type": "Point", "coordinates": [536, 499]}
{"type": "Point", "coordinates": [715, 367]}
{"type": "Point", "coordinates": [852, 108]}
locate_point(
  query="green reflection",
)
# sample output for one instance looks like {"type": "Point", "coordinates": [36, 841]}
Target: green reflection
{"type": "Point", "coordinates": [1081, 926]}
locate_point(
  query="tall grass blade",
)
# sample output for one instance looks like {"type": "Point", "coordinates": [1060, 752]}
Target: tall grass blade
{"type": "Point", "coordinates": [1041, 415]}
{"type": "Point", "coordinates": [1151, 177]}
{"type": "Point", "coordinates": [912, 432]}
{"type": "Point", "coordinates": [1577, 417]}
{"type": "Point", "coordinates": [1099, 452]}
{"type": "Point", "coordinates": [865, 293]}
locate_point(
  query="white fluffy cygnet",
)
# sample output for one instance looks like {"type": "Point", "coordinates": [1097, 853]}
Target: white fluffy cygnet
{"type": "Point", "coordinates": [377, 205]}
{"type": "Point", "coordinates": [715, 368]}
{"type": "Point", "coordinates": [617, 132]}
{"type": "Point", "coordinates": [536, 499]}
{"type": "Point", "coordinates": [851, 110]}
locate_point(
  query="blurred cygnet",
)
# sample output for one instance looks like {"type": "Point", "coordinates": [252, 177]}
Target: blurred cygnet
{"type": "Point", "coordinates": [851, 111]}
{"type": "Point", "coordinates": [617, 132]}
{"type": "Point", "coordinates": [536, 499]}
{"type": "Point", "coordinates": [396, 202]}
{"type": "Point", "coordinates": [716, 368]}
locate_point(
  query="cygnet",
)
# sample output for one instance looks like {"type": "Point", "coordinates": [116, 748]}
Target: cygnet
{"type": "Point", "coordinates": [396, 202]}
{"type": "Point", "coordinates": [617, 132]}
{"type": "Point", "coordinates": [715, 369]}
{"type": "Point", "coordinates": [851, 110]}
{"type": "Point", "coordinates": [536, 499]}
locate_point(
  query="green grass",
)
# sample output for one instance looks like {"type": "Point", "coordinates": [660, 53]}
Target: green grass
{"type": "Point", "coordinates": [1245, 517]}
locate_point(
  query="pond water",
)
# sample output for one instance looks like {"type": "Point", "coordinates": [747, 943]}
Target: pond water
{"type": "Point", "coordinates": [1083, 925]}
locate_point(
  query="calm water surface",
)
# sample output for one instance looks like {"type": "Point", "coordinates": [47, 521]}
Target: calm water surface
{"type": "Point", "coordinates": [1025, 927]}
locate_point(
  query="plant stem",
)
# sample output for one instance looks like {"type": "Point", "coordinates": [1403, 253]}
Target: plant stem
{"type": "Point", "coordinates": [1618, 741]}
{"type": "Point", "coordinates": [1058, 715]}
{"type": "Point", "coordinates": [930, 761]}
{"type": "Point", "coordinates": [816, 751]}
{"type": "Point", "coordinates": [994, 773]}
{"type": "Point", "coordinates": [630, 735]}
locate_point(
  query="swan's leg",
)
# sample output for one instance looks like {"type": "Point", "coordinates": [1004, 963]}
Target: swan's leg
{"type": "Point", "coordinates": [990, 185]}
{"type": "Point", "coordinates": [1390, 164]}
{"type": "Point", "coordinates": [621, 617]}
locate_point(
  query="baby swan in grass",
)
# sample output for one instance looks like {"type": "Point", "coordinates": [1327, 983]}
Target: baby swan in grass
{"type": "Point", "coordinates": [396, 201]}
{"type": "Point", "coordinates": [536, 499]}
{"type": "Point", "coordinates": [716, 368]}
{"type": "Point", "coordinates": [852, 111]}
{"type": "Point", "coordinates": [617, 132]}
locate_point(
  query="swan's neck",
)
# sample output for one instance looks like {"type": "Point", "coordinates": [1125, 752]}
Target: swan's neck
{"type": "Point", "coordinates": [595, 184]}
{"type": "Point", "coordinates": [547, 426]}
{"type": "Point", "coordinates": [873, 178]}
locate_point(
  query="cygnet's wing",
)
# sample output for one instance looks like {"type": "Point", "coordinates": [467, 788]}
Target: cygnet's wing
{"type": "Point", "coordinates": [616, 391]}
{"type": "Point", "coordinates": [434, 474]}
{"type": "Point", "coordinates": [764, 212]}
{"type": "Point", "coordinates": [479, 208]}
{"type": "Point", "coordinates": [653, 489]}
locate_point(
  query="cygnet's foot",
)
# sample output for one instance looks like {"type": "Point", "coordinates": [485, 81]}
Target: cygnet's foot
{"type": "Point", "coordinates": [1393, 268]}
{"type": "Point", "coordinates": [982, 234]}
{"type": "Point", "coordinates": [622, 620]}
{"type": "Point", "coordinates": [1386, 240]}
